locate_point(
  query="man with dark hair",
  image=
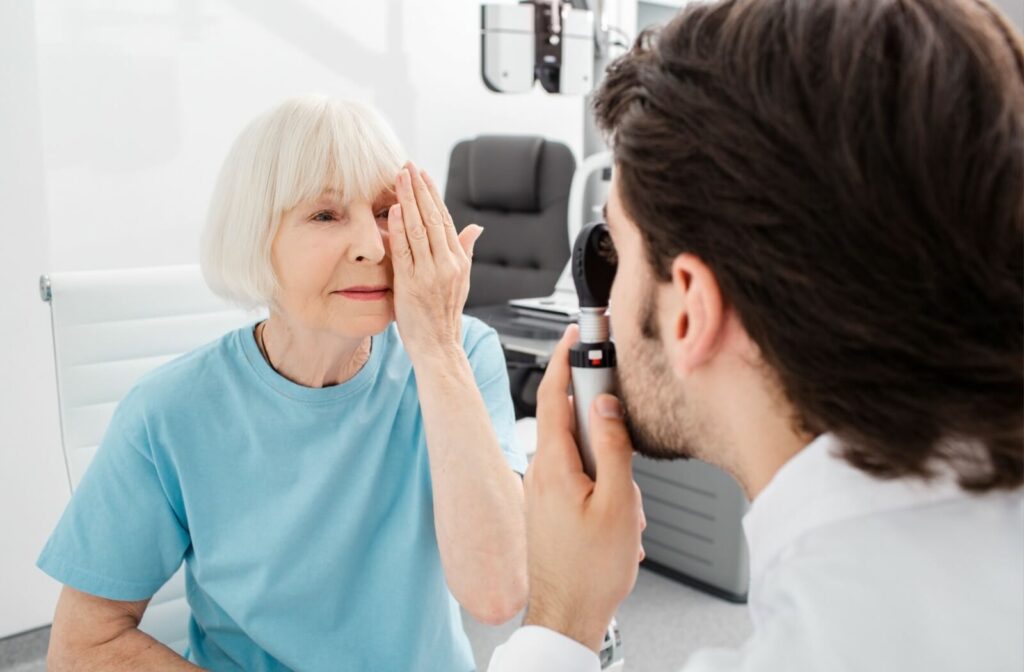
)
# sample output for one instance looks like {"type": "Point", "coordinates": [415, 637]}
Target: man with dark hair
{"type": "Point", "coordinates": [818, 207]}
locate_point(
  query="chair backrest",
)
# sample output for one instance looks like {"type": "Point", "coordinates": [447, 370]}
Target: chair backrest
{"type": "Point", "coordinates": [109, 328]}
{"type": "Point", "coordinates": [516, 187]}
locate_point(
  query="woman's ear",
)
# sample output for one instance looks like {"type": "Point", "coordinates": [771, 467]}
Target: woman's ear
{"type": "Point", "coordinates": [695, 313]}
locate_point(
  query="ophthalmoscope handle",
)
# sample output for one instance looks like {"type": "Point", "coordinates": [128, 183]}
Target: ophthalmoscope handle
{"type": "Point", "coordinates": [593, 374]}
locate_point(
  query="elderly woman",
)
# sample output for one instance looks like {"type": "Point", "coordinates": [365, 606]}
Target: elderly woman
{"type": "Point", "coordinates": [335, 484]}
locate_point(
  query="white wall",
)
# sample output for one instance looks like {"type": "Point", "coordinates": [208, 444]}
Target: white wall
{"type": "Point", "coordinates": [33, 482]}
{"type": "Point", "coordinates": [114, 118]}
{"type": "Point", "coordinates": [141, 99]}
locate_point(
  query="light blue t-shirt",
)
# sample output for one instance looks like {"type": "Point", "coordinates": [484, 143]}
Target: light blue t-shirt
{"type": "Point", "coordinates": [304, 516]}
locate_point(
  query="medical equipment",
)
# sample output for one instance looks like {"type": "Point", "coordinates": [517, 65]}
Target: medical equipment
{"type": "Point", "coordinates": [549, 41]}
{"type": "Point", "coordinates": [563, 303]}
{"type": "Point", "coordinates": [610, 654]}
{"type": "Point", "coordinates": [592, 358]}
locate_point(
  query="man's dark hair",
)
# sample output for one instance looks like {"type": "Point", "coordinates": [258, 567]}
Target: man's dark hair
{"type": "Point", "coordinates": [852, 172]}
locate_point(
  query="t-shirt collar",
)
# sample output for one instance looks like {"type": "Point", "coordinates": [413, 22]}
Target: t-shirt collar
{"type": "Point", "coordinates": [301, 393]}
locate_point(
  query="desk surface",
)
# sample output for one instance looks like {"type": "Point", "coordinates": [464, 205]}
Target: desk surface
{"type": "Point", "coordinates": [518, 332]}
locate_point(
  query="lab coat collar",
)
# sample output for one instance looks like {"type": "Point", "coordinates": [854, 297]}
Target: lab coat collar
{"type": "Point", "coordinates": [817, 487]}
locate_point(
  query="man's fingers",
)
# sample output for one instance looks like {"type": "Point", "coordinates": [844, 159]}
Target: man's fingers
{"type": "Point", "coordinates": [556, 446]}
{"type": "Point", "coordinates": [553, 412]}
{"type": "Point", "coordinates": [613, 451]}
{"type": "Point", "coordinates": [413, 228]}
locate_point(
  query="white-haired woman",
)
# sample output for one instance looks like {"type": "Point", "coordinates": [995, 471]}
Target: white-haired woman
{"type": "Point", "coordinates": [334, 485]}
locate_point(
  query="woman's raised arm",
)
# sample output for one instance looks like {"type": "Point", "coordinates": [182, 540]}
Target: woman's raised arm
{"type": "Point", "coordinates": [478, 500]}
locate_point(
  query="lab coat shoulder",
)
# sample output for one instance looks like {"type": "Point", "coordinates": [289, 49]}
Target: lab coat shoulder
{"type": "Point", "coordinates": [899, 590]}
{"type": "Point", "coordinates": [794, 625]}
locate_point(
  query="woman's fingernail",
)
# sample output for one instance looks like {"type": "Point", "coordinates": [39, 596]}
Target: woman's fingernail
{"type": "Point", "coordinates": [609, 407]}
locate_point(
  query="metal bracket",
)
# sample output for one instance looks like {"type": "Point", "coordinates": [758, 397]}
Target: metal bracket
{"type": "Point", "coordinates": [44, 288]}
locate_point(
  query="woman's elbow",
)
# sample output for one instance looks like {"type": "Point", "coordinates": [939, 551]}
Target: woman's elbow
{"type": "Point", "coordinates": [500, 605]}
{"type": "Point", "coordinates": [61, 657]}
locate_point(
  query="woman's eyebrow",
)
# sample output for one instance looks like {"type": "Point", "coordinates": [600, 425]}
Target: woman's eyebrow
{"type": "Point", "coordinates": [385, 196]}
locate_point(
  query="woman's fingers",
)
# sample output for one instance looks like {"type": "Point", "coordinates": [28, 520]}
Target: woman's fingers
{"type": "Point", "coordinates": [431, 216]}
{"type": "Point", "coordinates": [449, 225]}
{"type": "Point", "coordinates": [466, 240]}
{"type": "Point", "coordinates": [401, 255]}
{"type": "Point", "coordinates": [413, 229]}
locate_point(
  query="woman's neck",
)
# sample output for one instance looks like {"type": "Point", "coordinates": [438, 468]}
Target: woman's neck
{"type": "Point", "coordinates": [311, 358]}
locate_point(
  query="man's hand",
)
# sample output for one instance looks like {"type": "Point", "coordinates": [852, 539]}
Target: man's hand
{"type": "Point", "coordinates": [583, 537]}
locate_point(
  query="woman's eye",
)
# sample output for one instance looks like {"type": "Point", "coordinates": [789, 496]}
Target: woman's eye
{"type": "Point", "coordinates": [383, 214]}
{"type": "Point", "coordinates": [325, 216]}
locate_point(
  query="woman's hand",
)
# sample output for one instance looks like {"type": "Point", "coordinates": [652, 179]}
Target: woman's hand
{"type": "Point", "coordinates": [431, 263]}
{"type": "Point", "coordinates": [483, 546]}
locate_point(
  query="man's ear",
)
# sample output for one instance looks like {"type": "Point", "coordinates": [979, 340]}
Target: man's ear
{"type": "Point", "coordinates": [693, 314]}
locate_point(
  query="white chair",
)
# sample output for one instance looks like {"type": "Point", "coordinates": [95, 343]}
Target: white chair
{"type": "Point", "coordinates": [109, 328]}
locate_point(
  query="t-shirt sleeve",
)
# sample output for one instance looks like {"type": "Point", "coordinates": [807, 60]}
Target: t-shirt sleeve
{"type": "Point", "coordinates": [488, 362]}
{"type": "Point", "coordinates": [120, 537]}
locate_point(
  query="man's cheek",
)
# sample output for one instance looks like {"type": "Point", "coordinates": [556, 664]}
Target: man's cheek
{"type": "Point", "coordinates": [620, 303]}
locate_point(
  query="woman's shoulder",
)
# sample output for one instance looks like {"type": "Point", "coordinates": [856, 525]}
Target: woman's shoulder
{"type": "Point", "coordinates": [475, 330]}
{"type": "Point", "coordinates": [185, 376]}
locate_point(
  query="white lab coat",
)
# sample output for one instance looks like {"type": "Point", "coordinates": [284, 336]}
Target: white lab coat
{"type": "Point", "coordinates": [849, 572]}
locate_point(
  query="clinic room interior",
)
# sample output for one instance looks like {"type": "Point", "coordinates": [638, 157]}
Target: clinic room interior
{"type": "Point", "coordinates": [341, 335]}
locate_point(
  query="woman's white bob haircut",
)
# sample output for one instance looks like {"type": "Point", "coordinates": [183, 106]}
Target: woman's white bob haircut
{"type": "Point", "coordinates": [289, 155]}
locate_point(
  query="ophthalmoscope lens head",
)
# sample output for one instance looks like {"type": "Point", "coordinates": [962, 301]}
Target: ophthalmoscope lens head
{"type": "Point", "coordinates": [593, 265]}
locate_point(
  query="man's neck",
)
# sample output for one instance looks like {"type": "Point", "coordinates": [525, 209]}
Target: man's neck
{"type": "Point", "coordinates": [756, 431]}
{"type": "Point", "coordinates": [765, 454]}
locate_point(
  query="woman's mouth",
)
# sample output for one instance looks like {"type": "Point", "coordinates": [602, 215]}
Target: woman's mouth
{"type": "Point", "coordinates": [365, 293]}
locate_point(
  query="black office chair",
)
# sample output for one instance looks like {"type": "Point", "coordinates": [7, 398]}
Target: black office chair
{"type": "Point", "coordinates": [517, 188]}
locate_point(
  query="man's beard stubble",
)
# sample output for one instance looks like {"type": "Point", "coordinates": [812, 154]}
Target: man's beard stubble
{"type": "Point", "coordinates": [656, 414]}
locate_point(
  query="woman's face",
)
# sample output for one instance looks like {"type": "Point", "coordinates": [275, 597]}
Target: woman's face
{"type": "Point", "coordinates": [333, 265]}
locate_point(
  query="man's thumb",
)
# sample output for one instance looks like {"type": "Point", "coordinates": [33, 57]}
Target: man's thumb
{"type": "Point", "coordinates": [613, 451]}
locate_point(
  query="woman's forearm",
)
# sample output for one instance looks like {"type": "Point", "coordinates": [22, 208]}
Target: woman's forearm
{"type": "Point", "coordinates": [96, 633]}
{"type": "Point", "coordinates": [131, 650]}
{"type": "Point", "coordinates": [478, 499]}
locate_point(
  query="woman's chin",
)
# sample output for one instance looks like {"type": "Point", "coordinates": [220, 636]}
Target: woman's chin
{"type": "Point", "coordinates": [357, 326]}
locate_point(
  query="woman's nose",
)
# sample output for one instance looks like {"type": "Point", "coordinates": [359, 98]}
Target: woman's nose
{"type": "Point", "coordinates": [368, 244]}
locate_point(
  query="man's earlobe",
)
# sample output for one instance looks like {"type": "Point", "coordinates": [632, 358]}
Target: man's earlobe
{"type": "Point", "coordinates": [700, 323]}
